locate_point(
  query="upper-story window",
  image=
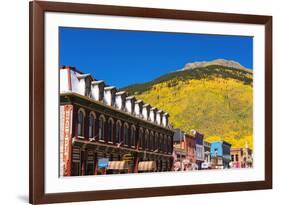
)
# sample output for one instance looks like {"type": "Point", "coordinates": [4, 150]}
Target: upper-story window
{"type": "Point", "coordinates": [101, 92]}
{"type": "Point", "coordinates": [151, 141]}
{"type": "Point", "coordinates": [118, 136]}
{"type": "Point", "coordinates": [140, 111]}
{"type": "Point", "coordinates": [87, 87]}
{"type": "Point", "coordinates": [156, 138]}
{"type": "Point", "coordinates": [146, 140]}
{"type": "Point", "coordinates": [80, 122]}
{"type": "Point", "coordinates": [113, 99]}
{"type": "Point", "coordinates": [133, 136]}
{"type": "Point", "coordinates": [141, 138]}
{"type": "Point", "coordinates": [101, 127]}
{"type": "Point", "coordinates": [110, 129]}
{"type": "Point", "coordinates": [164, 144]}
{"type": "Point", "coordinates": [160, 143]}
{"type": "Point", "coordinates": [169, 144]}
{"type": "Point", "coordinates": [126, 134]}
{"type": "Point", "coordinates": [92, 123]}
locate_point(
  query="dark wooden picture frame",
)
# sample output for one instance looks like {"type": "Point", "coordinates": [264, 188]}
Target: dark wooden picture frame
{"type": "Point", "coordinates": [36, 151]}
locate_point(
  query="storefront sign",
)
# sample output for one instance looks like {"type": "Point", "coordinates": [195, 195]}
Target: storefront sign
{"type": "Point", "coordinates": [103, 162]}
{"type": "Point", "coordinates": [67, 139]}
{"type": "Point", "coordinates": [205, 165]}
{"type": "Point", "coordinates": [128, 157]}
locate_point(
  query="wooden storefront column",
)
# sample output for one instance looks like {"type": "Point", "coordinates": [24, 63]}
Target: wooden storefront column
{"type": "Point", "coordinates": [129, 167]}
{"type": "Point", "coordinates": [136, 164]}
{"type": "Point", "coordinates": [96, 165]}
{"type": "Point", "coordinates": [83, 168]}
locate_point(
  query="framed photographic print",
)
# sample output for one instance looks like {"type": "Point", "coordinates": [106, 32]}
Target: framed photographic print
{"type": "Point", "coordinates": [138, 102]}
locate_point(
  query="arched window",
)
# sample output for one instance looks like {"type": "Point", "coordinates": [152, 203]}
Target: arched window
{"type": "Point", "coordinates": [140, 138]}
{"type": "Point", "coordinates": [126, 134]}
{"type": "Point", "coordinates": [160, 142]}
{"type": "Point", "coordinates": [156, 142]}
{"type": "Point", "coordinates": [151, 141]}
{"type": "Point", "coordinates": [133, 136]}
{"type": "Point", "coordinates": [110, 129]}
{"type": "Point", "coordinates": [80, 122]}
{"type": "Point", "coordinates": [101, 127]}
{"type": "Point", "coordinates": [146, 140]}
{"type": "Point", "coordinates": [169, 145]}
{"type": "Point", "coordinates": [165, 144]}
{"type": "Point", "coordinates": [92, 123]}
{"type": "Point", "coordinates": [118, 132]}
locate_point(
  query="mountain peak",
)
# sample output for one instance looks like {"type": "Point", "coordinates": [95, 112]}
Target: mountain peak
{"type": "Point", "coordinates": [220, 62]}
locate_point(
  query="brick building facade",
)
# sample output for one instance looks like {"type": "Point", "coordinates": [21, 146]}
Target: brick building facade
{"type": "Point", "coordinates": [105, 131]}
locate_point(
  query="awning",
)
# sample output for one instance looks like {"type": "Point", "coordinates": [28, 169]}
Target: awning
{"type": "Point", "coordinates": [117, 165]}
{"type": "Point", "coordinates": [147, 166]}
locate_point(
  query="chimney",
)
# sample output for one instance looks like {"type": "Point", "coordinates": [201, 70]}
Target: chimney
{"type": "Point", "coordinates": [159, 117]}
{"type": "Point", "coordinates": [109, 95]}
{"type": "Point", "coordinates": [130, 104]}
{"type": "Point", "coordinates": [120, 99]}
{"type": "Point", "coordinates": [98, 90]}
{"type": "Point", "coordinates": [138, 108]}
{"type": "Point", "coordinates": [145, 111]}
{"type": "Point", "coordinates": [152, 115]}
{"type": "Point", "coordinates": [165, 119]}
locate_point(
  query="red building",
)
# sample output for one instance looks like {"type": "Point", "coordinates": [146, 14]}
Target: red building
{"type": "Point", "coordinates": [103, 131]}
{"type": "Point", "coordinates": [184, 151]}
{"type": "Point", "coordinates": [190, 150]}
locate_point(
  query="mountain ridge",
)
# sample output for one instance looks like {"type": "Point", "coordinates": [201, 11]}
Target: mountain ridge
{"type": "Point", "coordinates": [218, 62]}
{"type": "Point", "coordinates": [215, 100]}
{"type": "Point", "coordinates": [207, 71]}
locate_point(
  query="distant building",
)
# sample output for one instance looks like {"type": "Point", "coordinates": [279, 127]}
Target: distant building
{"type": "Point", "coordinates": [105, 131]}
{"type": "Point", "coordinates": [241, 157]}
{"type": "Point", "coordinates": [207, 155]}
{"type": "Point", "coordinates": [191, 152]}
{"type": "Point", "coordinates": [220, 154]}
{"type": "Point", "coordinates": [184, 151]}
{"type": "Point", "coordinates": [199, 147]}
{"type": "Point", "coordinates": [179, 150]}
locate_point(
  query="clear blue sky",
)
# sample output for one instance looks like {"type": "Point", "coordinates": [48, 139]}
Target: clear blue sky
{"type": "Point", "coordinates": [121, 58]}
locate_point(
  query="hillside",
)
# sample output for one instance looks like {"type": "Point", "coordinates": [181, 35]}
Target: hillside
{"type": "Point", "coordinates": [215, 100]}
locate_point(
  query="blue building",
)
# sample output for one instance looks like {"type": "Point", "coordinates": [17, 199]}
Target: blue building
{"type": "Point", "coordinates": [199, 147]}
{"type": "Point", "coordinates": [220, 154]}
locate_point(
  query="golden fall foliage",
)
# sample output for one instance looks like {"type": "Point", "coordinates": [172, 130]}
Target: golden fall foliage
{"type": "Point", "coordinates": [221, 108]}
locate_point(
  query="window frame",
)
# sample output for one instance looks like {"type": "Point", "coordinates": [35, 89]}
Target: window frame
{"type": "Point", "coordinates": [146, 140]}
{"type": "Point", "coordinates": [151, 141]}
{"type": "Point", "coordinates": [101, 134]}
{"type": "Point", "coordinates": [81, 130]}
{"type": "Point", "coordinates": [133, 137]}
{"type": "Point", "coordinates": [118, 133]}
{"type": "Point", "coordinates": [140, 141]}
{"type": "Point", "coordinates": [92, 127]}
{"type": "Point", "coordinates": [126, 134]}
{"type": "Point", "coordinates": [110, 128]}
